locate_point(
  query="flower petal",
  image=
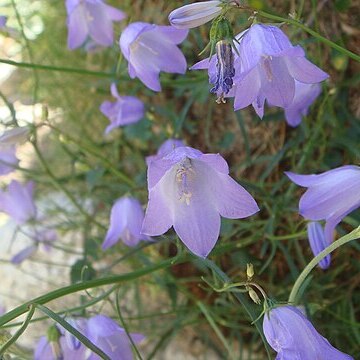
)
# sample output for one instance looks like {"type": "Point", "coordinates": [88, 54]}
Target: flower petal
{"type": "Point", "coordinates": [318, 242]}
{"type": "Point", "coordinates": [77, 27]}
{"type": "Point", "coordinates": [304, 71]}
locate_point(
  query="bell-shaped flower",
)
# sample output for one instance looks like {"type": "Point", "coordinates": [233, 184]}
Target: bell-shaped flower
{"type": "Point", "coordinates": [91, 19]}
{"type": "Point", "coordinates": [318, 242]}
{"type": "Point", "coordinates": [305, 95]}
{"type": "Point", "coordinates": [151, 48]}
{"type": "Point", "coordinates": [167, 147]}
{"type": "Point", "coordinates": [266, 66]}
{"type": "Point", "coordinates": [107, 335]}
{"type": "Point", "coordinates": [8, 159]}
{"type": "Point", "coordinates": [126, 220]}
{"type": "Point", "coordinates": [293, 336]}
{"type": "Point", "coordinates": [17, 202]}
{"type": "Point", "coordinates": [14, 136]}
{"type": "Point", "coordinates": [196, 14]}
{"type": "Point", "coordinates": [330, 196]}
{"type": "Point", "coordinates": [124, 111]}
{"type": "Point", "coordinates": [189, 190]}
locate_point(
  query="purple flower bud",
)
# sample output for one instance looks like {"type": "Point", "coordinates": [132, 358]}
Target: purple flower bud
{"type": "Point", "coordinates": [91, 18]}
{"type": "Point", "coordinates": [18, 201]}
{"type": "Point", "coordinates": [106, 334]}
{"type": "Point", "coordinates": [150, 49]}
{"type": "Point", "coordinates": [225, 70]}
{"type": "Point", "coordinates": [124, 111]}
{"type": "Point", "coordinates": [189, 190]}
{"type": "Point", "coordinates": [293, 336]}
{"type": "Point", "coordinates": [331, 196]}
{"type": "Point", "coordinates": [125, 223]}
{"type": "Point", "coordinates": [318, 242]}
{"type": "Point", "coordinates": [267, 68]}
{"type": "Point", "coordinates": [193, 15]}
{"type": "Point", "coordinates": [167, 147]}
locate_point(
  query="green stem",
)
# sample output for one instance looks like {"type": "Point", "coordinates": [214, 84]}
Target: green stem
{"type": "Point", "coordinates": [355, 234]}
{"type": "Point", "coordinates": [114, 279]}
{"type": "Point", "coordinates": [311, 32]}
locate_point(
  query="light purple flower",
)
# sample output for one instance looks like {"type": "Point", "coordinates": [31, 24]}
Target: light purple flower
{"type": "Point", "coordinates": [106, 334]}
{"type": "Point", "coordinates": [2, 309]}
{"type": "Point", "coordinates": [91, 18]}
{"type": "Point", "coordinates": [189, 190]}
{"type": "Point", "coordinates": [151, 48]}
{"type": "Point", "coordinates": [14, 136]}
{"type": "Point", "coordinates": [8, 159]}
{"type": "Point", "coordinates": [17, 201]}
{"type": "Point", "coordinates": [126, 220]}
{"type": "Point", "coordinates": [3, 20]}
{"type": "Point", "coordinates": [124, 111]}
{"type": "Point", "coordinates": [293, 337]}
{"type": "Point", "coordinates": [305, 95]}
{"type": "Point", "coordinates": [167, 147]}
{"type": "Point", "coordinates": [196, 14]}
{"type": "Point", "coordinates": [23, 254]}
{"type": "Point", "coordinates": [266, 69]}
{"type": "Point", "coordinates": [318, 242]}
{"type": "Point", "coordinates": [330, 196]}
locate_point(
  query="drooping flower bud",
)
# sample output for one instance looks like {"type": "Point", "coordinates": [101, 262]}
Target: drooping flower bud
{"type": "Point", "coordinates": [250, 271]}
{"type": "Point", "coordinates": [254, 296]}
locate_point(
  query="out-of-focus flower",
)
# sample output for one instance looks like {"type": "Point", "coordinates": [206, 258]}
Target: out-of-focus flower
{"type": "Point", "coordinates": [149, 49]}
{"type": "Point", "coordinates": [124, 111]}
{"type": "Point", "coordinates": [17, 201]}
{"type": "Point", "coordinates": [330, 196]}
{"type": "Point", "coordinates": [91, 18]}
{"type": "Point", "coordinates": [189, 190]}
{"type": "Point", "coordinates": [293, 336]}
{"type": "Point", "coordinates": [167, 147]}
{"type": "Point", "coordinates": [318, 242]}
{"type": "Point", "coordinates": [8, 159]}
{"type": "Point", "coordinates": [126, 220]}
{"type": "Point", "coordinates": [23, 254]}
{"type": "Point", "coordinates": [266, 68]}
{"type": "Point", "coordinates": [14, 136]}
{"type": "Point", "coordinates": [2, 309]}
{"type": "Point", "coordinates": [3, 20]}
{"type": "Point", "coordinates": [305, 95]}
{"type": "Point", "coordinates": [196, 14]}
{"type": "Point", "coordinates": [106, 334]}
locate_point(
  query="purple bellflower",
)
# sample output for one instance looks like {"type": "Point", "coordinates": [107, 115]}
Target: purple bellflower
{"type": "Point", "coordinates": [126, 219]}
{"type": "Point", "coordinates": [14, 136]}
{"type": "Point", "coordinates": [8, 159]}
{"type": "Point", "coordinates": [293, 337]}
{"type": "Point", "coordinates": [91, 19]}
{"type": "Point", "coordinates": [318, 242]}
{"type": "Point", "coordinates": [189, 190]}
{"type": "Point", "coordinates": [106, 334]}
{"type": "Point", "coordinates": [124, 111]}
{"type": "Point", "coordinates": [167, 147]}
{"type": "Point", "coordinates": [102, 331]}
{"type": "Point", "coordinates": [330, 196]}
{"type": "Point", "coordinates": [149, 49]}
{"type": "Point", "coordinates": [267, 67]}
{"type": "Point", "coordinates": [3, 20]}
{"type": "Point", "coordinates": [196, 14]}
{"type": "Point", "coordinates": [17, 201]}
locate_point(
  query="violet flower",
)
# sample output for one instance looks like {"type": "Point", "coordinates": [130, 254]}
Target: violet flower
{"type": "Point", "coordinates": [330, 196]}
{"type": "Point", "coordinates": [91, 18]}
{"type": "Point", "coordinates": [17, 201]}
{"type": "Point", "coordinates": [124, 111]}
{"type": "Point", "coordinates": [189, 190]}
{"type": "Point", "coordinates": [107, 335]}
{"type": "Point", "coordinates": [149, 49]}
{"type": "Point", "coordinates": [8, 159]}
{"type": "Point", "coordinates": [3, 20]}
{"type": "Point", "coordinates": [167, 147]}
{"type": "Point", "coordinates": [318, 242]}
{"type": "Point", "coordinates": [196, 14]}
{"type": "Point", "coordinates": [126, 220]}
{"type": "Point", "coordinates": [14, 136]}
{"type": "Point", "coordinates": [266, 69]}
{"type": "Point", "coordinates": [293, 337]}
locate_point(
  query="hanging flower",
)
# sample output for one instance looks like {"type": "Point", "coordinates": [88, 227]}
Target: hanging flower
{"type": "Point", "coordinates": [330, 196]}
{"type": "Point", "coordinates": [126, 220]}
{"type": "Point", "coordinates": [267, 68]}
{"type": "Point", "coordinates": [91, 19]}
{"type": "Point", "coordinates": [189, 190]}
{"type": "Point", "coordinates": [17, 201]}
{"type": "Point", "coordinates": [124, 111]}
{"type": "Point", "coordinates": [150, 49]}
{"type": "Point", "coordinates": [8, 159]}
{"type": "Point", "coordinates": [318, 242]}
{"type": "Point", "coordinates": [293, 336]}
{"type": "Point", "coordinates": [167, 147]}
